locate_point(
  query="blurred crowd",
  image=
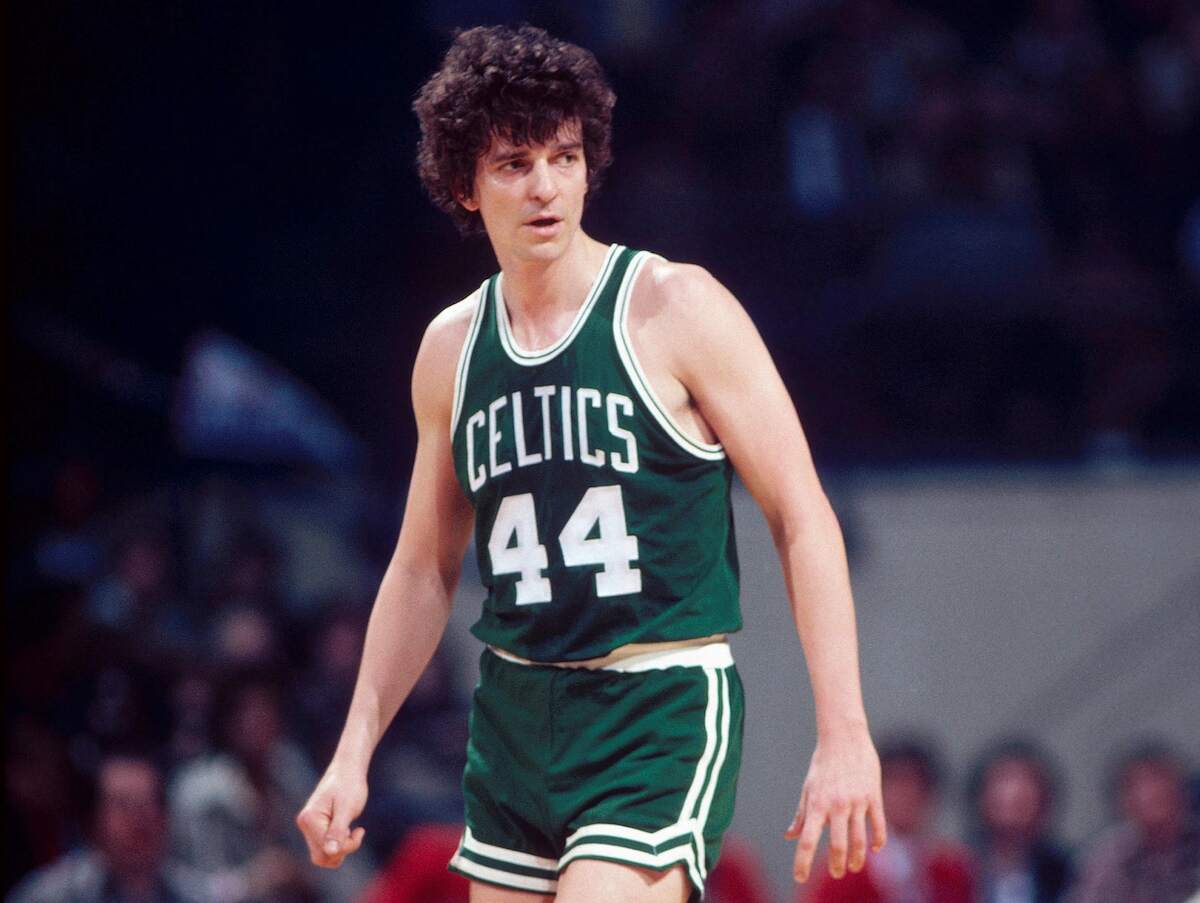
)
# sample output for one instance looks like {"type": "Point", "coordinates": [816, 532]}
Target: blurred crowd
{"type": "Point", "coordinates": [967, 230]}
{"type": "Point", "coordinates": [972, 228]}
{"type": "Point", "coordinates": [172, 689]}
{"type": "Point", "coordinates": [172, 695]}
{"type": "Point", "coordinates": [1010, 853]}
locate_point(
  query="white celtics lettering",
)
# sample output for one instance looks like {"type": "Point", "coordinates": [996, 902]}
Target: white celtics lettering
{"type": "Point", "coordinates": [588, 425]}
{"type": "Point", "coordinates": [586, 398]}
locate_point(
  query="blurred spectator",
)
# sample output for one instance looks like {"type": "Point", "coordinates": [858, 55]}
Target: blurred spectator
{"type": "Point", "coordinates": [916, 866]}
{"type": "Point", "coordinates": [232, 810]}
{"type": "Point", "coordinates": [1012, 796]}
{"type": "Point", "coordinates": [37, 795]}
{"type": "Point", "coordinates": [69, 549]}
{"type": "Point", "coordinates": [126, 860]}
{"type": "Point", "coordinates": [248, 573]}
{"type": "Point", "coordinates": [124, 704]}
{"type": "Point", "coordinates": [191, 702]}
{"type": "Point", "coordinates": [246, 637]}
{"type": "Point", "coordinates": [1153, 854]}
{"type": "Point", "coordinates": [137, 604]}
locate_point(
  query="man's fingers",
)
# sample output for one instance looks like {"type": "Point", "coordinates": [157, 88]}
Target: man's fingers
{"type": "Point", "coordinates": [857, 854]}
{"type": "Point", "coordinates": [838, 830]}
{"type": "Point", "coordinates": [878, 825]}
{"type": "Point", "coordinates": [338, 832]}
{"type": "Point", "coordinates": [793, 830]}
{"type": "Point", "coordinates": [344, 849]}
{"type": "Point", "coordinates": [806, 846]}
{"type": "Point", "coordinates": [328, 836]}
{"type": "Point", "coordinates": [313, 824]}
{"type": "Point", "coordinates": [346, 846]}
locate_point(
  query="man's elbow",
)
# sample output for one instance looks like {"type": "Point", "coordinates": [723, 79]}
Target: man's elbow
{"type": "Point", "coordinates": [803, 515]}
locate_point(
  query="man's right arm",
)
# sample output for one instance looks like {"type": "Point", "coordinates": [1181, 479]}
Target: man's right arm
{"type": "Point", "coordinates": [414, 599]}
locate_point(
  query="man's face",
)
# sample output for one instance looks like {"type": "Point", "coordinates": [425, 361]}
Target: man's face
{"type": "Point", "coordinates": [1012, 800]}
{"type": "Point", "coordinates": [531, 196]}
{"type": "Point", "coordinates": [1152, 796]}
{"type": "Point", "coordinates": [130, 821]}
{"type": "Point", "coordinates": [256, 724]}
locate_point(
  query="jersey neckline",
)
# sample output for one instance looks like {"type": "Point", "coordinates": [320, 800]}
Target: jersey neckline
{"type": "Point", "coordinates": [538, 356]}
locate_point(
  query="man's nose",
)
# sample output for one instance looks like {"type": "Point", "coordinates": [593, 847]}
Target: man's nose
{"type": "Point", "coordinates": [542, 186]}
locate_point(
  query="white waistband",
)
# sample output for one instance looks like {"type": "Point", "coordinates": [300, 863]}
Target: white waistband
{"type": "Point", "coordinates": [710, 655]}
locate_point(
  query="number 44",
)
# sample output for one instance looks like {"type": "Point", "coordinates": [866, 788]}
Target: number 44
{"type": "Point", "coordinates": [515, 549]}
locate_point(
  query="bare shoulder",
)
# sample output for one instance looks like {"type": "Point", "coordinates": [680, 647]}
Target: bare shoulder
{"type": "Point", "coordinates": [445, 334]}
{"type": "Point", "coordinates": [437, 358]}
{"type": "Point", "coordinates": [682, 289]}
{"type": "Point", "coordinates": [683, 304]}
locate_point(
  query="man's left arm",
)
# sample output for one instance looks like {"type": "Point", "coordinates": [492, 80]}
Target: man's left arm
{"type": "Point", "coordinates": [725, 366]}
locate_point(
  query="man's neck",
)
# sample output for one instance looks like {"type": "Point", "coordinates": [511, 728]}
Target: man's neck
{"type": "Point", "coordinates": [535, 288]}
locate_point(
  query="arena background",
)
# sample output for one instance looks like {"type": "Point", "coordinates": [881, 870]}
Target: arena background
{"type": "Point", "coordinates": [969, 232]}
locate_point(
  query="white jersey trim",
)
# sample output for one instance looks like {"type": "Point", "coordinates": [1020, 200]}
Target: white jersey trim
{"type": "Point", "coordinates": [710, 655]}
{"type": "Point", "coordinates": [708, 451]}
{"type": "Point", "coordinates": [464, 359]}
{"type": "Point", "coordinates": [533, 358]}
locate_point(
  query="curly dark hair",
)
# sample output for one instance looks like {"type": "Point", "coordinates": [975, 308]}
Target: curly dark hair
{"type": "Point", "coordinates": [519, 84]}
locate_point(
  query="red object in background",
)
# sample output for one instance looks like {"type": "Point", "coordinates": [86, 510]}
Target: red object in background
{"type": "Point", "coordinates": [948, 879]}
{"type": "Point", "coordinates": [737, 876]}
{"type": "Point", "coordinates": [417, 872]}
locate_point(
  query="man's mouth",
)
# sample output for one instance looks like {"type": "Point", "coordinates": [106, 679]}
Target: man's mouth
{"type": "Point", "coordinates": [543, 221]}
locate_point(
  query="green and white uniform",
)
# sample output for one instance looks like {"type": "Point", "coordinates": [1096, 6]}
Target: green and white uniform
{"type": "Point", "coordinates": [599, 523]}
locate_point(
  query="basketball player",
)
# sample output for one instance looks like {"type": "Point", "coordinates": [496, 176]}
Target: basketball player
{"type": "Point", "coordinates": [584, 411]}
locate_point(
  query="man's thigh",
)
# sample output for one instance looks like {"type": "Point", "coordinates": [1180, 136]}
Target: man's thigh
{"type": "Point", "coordinates": [488, 893]}
{"type": "Point", "coordinates": [596, 881]}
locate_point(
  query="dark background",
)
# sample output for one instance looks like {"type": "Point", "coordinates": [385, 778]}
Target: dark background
{"type": "Point", "coordinates": [250, 168]}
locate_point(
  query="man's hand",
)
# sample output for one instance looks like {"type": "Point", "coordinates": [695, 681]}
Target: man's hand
{"type": "Point", "coordinates": [325, 819]}
{"type": "Point", "coordinates": [843, 790]}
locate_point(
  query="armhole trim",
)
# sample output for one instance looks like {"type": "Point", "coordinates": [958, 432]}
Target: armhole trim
{"type": "Point", "coordinates": [708, 451]}
{"type": "Point", "coordinates": [464, 358]}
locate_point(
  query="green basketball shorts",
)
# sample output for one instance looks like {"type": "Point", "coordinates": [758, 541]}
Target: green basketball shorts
{"type": "Point", "coordinates": [634, 763]}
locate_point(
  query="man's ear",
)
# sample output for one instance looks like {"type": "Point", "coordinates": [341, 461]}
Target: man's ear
{"type": "Point", "coordinates": [468, 203]}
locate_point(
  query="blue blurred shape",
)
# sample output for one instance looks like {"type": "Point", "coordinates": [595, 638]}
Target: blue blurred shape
{"type": "Point", "coordinates": [233, 403]}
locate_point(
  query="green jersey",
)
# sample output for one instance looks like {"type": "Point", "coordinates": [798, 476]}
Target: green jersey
{"type": "Point", "coordinates": [598, 521]}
